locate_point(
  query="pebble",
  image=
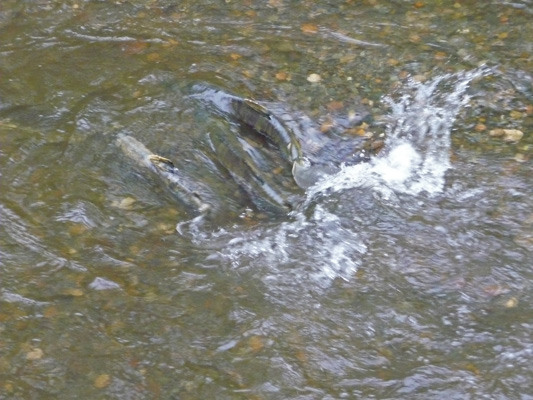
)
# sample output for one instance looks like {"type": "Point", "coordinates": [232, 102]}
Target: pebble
{"type": "Point", "coordinates": [102, 381]}
{"type": "Point", "coordinates": [256, 343]}
{"type": "Point", "coordinates": [519, 157]}
{"type": "Point", "coordinates": [420, 78]}
{"type": "Point", "coordinates": [77, 229]}
{"type": "Point", "coordinates": [508, 135]}
{"type": "Point", "coordinates": [327, 125]}
{"type": "Point", "coordinates": [281, 76]}
{"type": "Point", "coordinates": [512, 135]}
{"type": "Point", "coordinates": [34, 354]}
{"type": "Point", "coordinates": [125, 204]}
{"type": "Point", "coordinates": [73, 292]}
{"type": "Point", "coordinates": [511, 303]}
{"type": "Point", "coordinates": [314, 78]}
{"type": "Point", "coordinates": [153, 57]}
{"type": "Point", "coordinates": [309, 28]}
{"type": "Point", "coordinates": [480, 127]}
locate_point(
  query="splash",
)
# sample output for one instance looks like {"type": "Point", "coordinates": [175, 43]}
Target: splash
{"type": "Point", "coordinates": [317, 249]}
{"type": "Point", "coordinates": [325, 239]}
{"type": "Point", "coordinates": [416, 154]}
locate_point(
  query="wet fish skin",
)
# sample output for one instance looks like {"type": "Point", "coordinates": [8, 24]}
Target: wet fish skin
{"type": "Point", "coordinates": [261, 120]}
{"type": "Point", "coordinates": [134, 150]}
{"type": "Point", "coordinates": [255, 116]}
{"type": "Point", "coordinates": [183, 188]}
{"type": "Point", "coordinates": [245, 171]}
{"type": "Point", "coordinates": [308, 168]}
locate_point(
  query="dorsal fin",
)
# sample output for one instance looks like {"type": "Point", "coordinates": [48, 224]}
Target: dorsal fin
{"type": "Point", "coordinates": [257, 107]}
{"type": "Point", "coordinates": [154, 158]}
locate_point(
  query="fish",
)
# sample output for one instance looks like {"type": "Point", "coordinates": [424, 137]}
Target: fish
{"type": "Point", "coordinates": [182, 187]}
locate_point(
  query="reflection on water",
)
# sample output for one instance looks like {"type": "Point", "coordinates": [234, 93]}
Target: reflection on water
{"type": "Point", "coordinates": [405, 277]}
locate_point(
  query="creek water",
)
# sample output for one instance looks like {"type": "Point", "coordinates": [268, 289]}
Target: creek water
{"type": "Point", "coordinates": [404, 277]}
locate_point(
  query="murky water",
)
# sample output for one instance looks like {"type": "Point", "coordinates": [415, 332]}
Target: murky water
{"type": "Point", "coordinates": [404, 277]}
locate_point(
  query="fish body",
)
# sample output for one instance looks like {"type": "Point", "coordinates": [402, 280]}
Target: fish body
{"type": "Point", "coordinates": [238, 159]}
{"type": "Point", "coordinates": [182, 187]}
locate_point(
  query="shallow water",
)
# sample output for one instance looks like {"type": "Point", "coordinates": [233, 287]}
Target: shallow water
{"type": "Point", "coordinates": [404, 277]}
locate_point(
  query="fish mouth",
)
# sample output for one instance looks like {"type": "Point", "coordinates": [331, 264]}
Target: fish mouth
{"type": "Point", "coordinates": [306, 174]}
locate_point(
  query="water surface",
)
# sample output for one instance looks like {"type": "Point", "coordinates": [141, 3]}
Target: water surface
{"type": "Point", "coordinates": [405, 277]}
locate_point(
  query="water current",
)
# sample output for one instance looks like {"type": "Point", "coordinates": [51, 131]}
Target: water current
{"type": "Point", "coordinates": [414, 162]}
{"type": "Point", "coordinates": [404, 277]}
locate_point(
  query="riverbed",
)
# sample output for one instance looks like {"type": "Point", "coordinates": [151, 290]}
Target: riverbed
{"type": "Point", "coordinates": [404, 277]}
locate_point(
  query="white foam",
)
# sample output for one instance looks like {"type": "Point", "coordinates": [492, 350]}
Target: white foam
{"type": "Point", "coordinates": [319, 246]}
{"type": "Point", "coordinates": [416, 154]}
